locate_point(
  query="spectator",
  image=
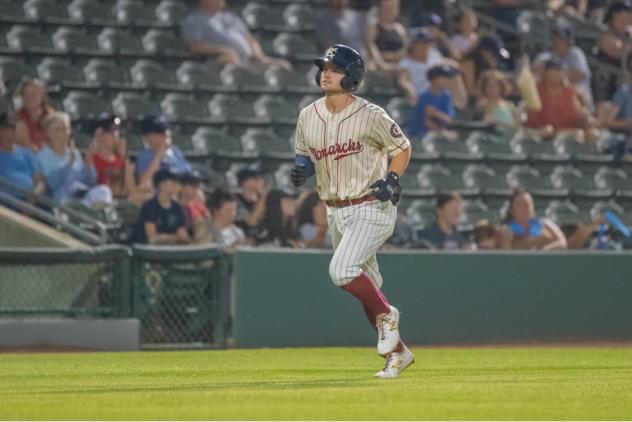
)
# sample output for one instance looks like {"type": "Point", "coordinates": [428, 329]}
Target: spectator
{"type": "Point", "coordinates": [339, 24]}
{"type": "Point", "coordinates": [386, 38]}
{"type": "Point", "coordinates": [18, 165]}
{"type": "Point", "coordinates": [562, 108]}
{"type": "Point", "coordinates": [312, 223]}
{"type": "Point", "coordinates": [278, 225]}
{"type": "Point", "coordinates": [466, 36]}
{"type": "Point", "coordinates": [485, 236]}
{"type": "Point", "coordinates": [159, 152]}
{"type": "Point", "coordinates": [489, 53]}
{"type": "Point", "coordinates": [494, 88]}
{"type": "Point", "coordinates": [434, 110]}
{"type": "Point", "coordinates": [613, 44]}
{"type": "Point", "coordinates": [197, 216]}
{"type": "Point", "coordinates": [522, 229]}
{"type": "Point", "coordinates": [215, 32]}
{"type": "Point", "coordinates": [443, 233]}
{"type": "Point", "coordinates": [574, 8]}
{"type": "Point", "coordinates": [223, 206]}
{"type": "Point", "coordinates": [161, 220]}
{"type": "Point", "coordinates": [571, 58]}
{"type": "Point", "coordinates": [414, 67]}
{"type": "Point", "coordinates": [432, 22]}
{"type": "Point", "coordinates": [251, 200]}
{"type": "Point", "coordinates": [31, 95]}
{"type": "Point", "coordinates": [67, 175]}
{"type": "Point", "coordinates": [617, 116]}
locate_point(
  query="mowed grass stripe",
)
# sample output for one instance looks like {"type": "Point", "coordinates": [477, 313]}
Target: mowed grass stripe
{"type": "Point", "coordinates": [319, 383]}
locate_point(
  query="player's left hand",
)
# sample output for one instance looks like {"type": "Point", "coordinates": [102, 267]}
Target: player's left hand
{"type": "Point", "coordinates": [387, 189]}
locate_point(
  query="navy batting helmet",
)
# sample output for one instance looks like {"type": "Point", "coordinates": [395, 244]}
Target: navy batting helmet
{"type": "Point", "coordinates": [345, 59]}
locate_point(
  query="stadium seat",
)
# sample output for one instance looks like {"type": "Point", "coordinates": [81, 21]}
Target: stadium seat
{"type": "Point", "coordinates": [473, 211]}
{"type": "Point", "coordinates": [421, 211]}
{"type": "Point", "coordinates": [456, 153]}
{"type": "Point", "coordinates": [307, 100]}
{"type": "Point", "coordinates": [105, 73]}
{"type": "Point", "coordinates": [376, 83]}
{"type": "Point", "coordinates": [134, 13]}
{"type": "Point", "coordinates": [294, 47]}
{"type": "Point", "coordinates": [48, 11]}
{"type": "Point", "coordinates": [129, 105]}
{"type": "Point", "coordinates": [161, 42]}
{"type": "Point", "coordinates": [533, 181]}
{"type": "Point", "coordinates": [264, 141]}
{"type": "Point", "coordinates": [600, 207]}
{"type": "Point", "coordinates": [75, 41]}
{"type": "Point", "coordinates": [84, 105]}
{"type": "Point", "coordinates": [28, 39]}
{"type": "Point", "coordinates": [276, 109]}
{"type": "Point", "coordinates": [585, 156]}
{"type": "Point", "coordinates": [484, 178]}
{"type": "Point", "coordinates": [12, 12]}
{"type": "Point", "coordinates": [58, 71]}
{"type": "Point", "coordinates": [568, 177]}
{"type": "Point", "coordinates": [399, 109]}
{"type": "Point", "coordinates": [200, 76]}
{"type": "Point", "coordinates": [184, 109]}
{"type": "Point", "coordinates": [281, 79]}
{"type": "Point", "coordinates": [299, 17]}
{"type": "Point", "coordinates": [438, 178]}
{"type": "Point", "coordinates": [566, 212]}
{"type": "Point", "coordinates": [151, 74]}
{"type": "Point", "coordinates": [116, 41]}
{"type": "Point", "coordinates": [231, 109]}
{"type": "Point", "coordinates": [91, 12]}
{"type": "Point", "coordinates": [215, 141]}
{"type": "Point", "coordinates": [262, 16]}
{"type": "Point", "coordinates": [14, 69]}
{"type": "Point", "coordinates": [170, 12]}
{"type": "Point", "coordinates": [540, 150]}
{"type": "Point", "coordinates": [212, 179]}
{"type": "Point", "coordinates": [239, 78]}
{"type": "Point", "coordinates": [615, 179]}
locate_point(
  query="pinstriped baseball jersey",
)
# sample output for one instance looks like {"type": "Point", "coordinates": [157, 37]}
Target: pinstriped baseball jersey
{"type": "Point", "coordinates": [350, 149]}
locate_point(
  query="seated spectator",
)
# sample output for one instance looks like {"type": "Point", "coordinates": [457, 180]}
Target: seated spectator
{"type": "Point", "coordinates": [422, 56]}
{"type": "Point", "coordinates": [386, 38]}
{"type": "Point", "coordinates": [617, 116]}
{"type": "Point", "coordinates": [485, 236]}
{"type": "Point", "coordinates": [574, 8]}
{"type": "Point", "coordinates": [18, 165]}
{"type": "Point", "coordinates": [337, 23]}
{"type": "Point", "coordinates": [613, 44]}
{"type": "Point", "coordinates": [223, 206]}
{"type": "Point", "coordinates": [159, 153]}
{"type": "Point", "coordinates": [443, 234]}
{"type": "Point", "coordinates": [503, 114]}
{"type": "Point", "coordinates": [222, 35]}
{"type": "Point", "coordinates": [312, 223]}
{"type": "Point", "coordinates": [67, 175]}
{"type": "Point", "coordinates": [489, 54]}
{"type": "Point", "coordinates": [251, 199]}
{"type": "Point", "coordinates": [466, 34]}
{"type": "Point", "coordinates": [434, 110]}
{"type": "Point", "coordinates": [571, 58]}
{"type": "Point", "coordinates": [31, 94]}
{"type": "Point", "coordinates": [432, 22]}
{"type": "Point", "coordinates": [522, 229]}
{"type": "Point", "coordinates": [161, 220]}
{"type": "Point", "coordinates": [562, 108]}
{"type": "Point", "coordinates": [278, 226]}
{"type": "Point", "coordinates": [197, 216]}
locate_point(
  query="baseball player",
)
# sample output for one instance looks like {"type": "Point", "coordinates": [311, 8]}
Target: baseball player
{"type": "Point", "coordinates": [358, 153]}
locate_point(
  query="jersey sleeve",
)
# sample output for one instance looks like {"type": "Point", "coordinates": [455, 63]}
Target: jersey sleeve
{"type": "Point", "coordinates": [300, 146]}
{"type": "Point", "coordinates": [389, 135]}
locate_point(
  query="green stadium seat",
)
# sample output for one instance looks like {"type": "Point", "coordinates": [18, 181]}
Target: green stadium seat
{"type": "Point", "coordinates": [116, 41]}
{"type": "Point", "coordinates": [242, 79]}
{"type": "Point", "coordinates": [84, 105]}
{"type": "Point", "coordinates": [171, 12]}
{"type": "Point", "coordinates": [421, 211]}
{"type": "Point", "coordinates": [473, 211]}
{"type": "Point", "coordinates": [215, 141]}
{"type": "Point", "coordinates": [129, 105]}
{"type": "Point", "coordinates": [299, 17]}
{"type": "Point", "coordinates": [615, 179]}
{"type": "Point", "coordinates": [105, 73]}
{"type": "Point", "coordinates": [262, 16]}
{"type": "Point", "coordinates": [281, 79]}
{"type": "Point", "coordinates": [399, 109]}
{"type": "Point", "coordinates": [485, 178]}
{"type": "Point", "coordinates": [59, 71]}
{"type": "Point", "coordinates": [151, 74]}
{"type": "Point", "coordinates": [585, 156]}
{"type": "Point", "coordinates": [566, 212]}
{"type": "Point", "coordinates": [91, 12]}
{"type": "Point", "coordinates": [27, 39]}
{"type": "Point", "coordinates": [439, 178]}
{"type": "Point", "coordinates": [200, 76]}
{"type": "Point", "coordinates": [294, 47]}
{"type": "Point", "coordinates": [212, 179]}
{"type": "Point", "coordinates": [307, 100]}
{"type": "Point", "coordinates": [377, 83]}
{"type": "Point", "coordinates": [161, 42]}
{"type": "Point", "coordinates": [48, 11]}
{"type": "Point", "coordinates": [183, 108]}
{"type": "Point", "coordinates": [600, 207]}
{"type": "Point", "coordinates": [528, 178]}
{"type": "Point", "coordinates": [281, 177]}
{"type": "Point", "coordinates": [12, 12]}
{"type": "Point", "coordinates": [232, 109]}
{"type": "Point", "coordinates": [134, 13]}
{"type": "Point", "coordinates": [568, 177]}
{"type": "Point", "coordinates": [265, 142]}
{"type": "Point", "coordinates": [455, 153]}
{"type": "Point", "coordinates": [75, 41]}
{"type": "Point", "coordinates": [539, 150]}
{"type": "Point", "coordinates": [276, 109]}
{"type": "Point", "coordinates": [14, 69]}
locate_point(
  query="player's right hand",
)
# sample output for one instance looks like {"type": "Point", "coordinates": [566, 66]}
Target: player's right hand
{"type": "Point", "coordinates": [298, 175]}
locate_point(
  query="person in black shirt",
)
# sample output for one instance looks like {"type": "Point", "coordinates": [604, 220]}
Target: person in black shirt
{"type": "Point", "coordinates": [442, 233]}
{"type": "Point", "coordinates": [161, 220]}
{"type": "Point", "coordinates": [251, 200]}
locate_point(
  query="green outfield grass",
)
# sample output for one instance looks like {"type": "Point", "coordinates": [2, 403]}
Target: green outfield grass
{"type": "Point", "coordinates": [510, 383]}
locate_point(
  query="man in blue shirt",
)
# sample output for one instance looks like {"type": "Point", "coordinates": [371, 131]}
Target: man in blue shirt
{"type": "Point", "coordinates": [159, 152]}
{"type": "Point", "coordinates": [443, 233]}
{"type": "Point", "coordinates": [434, 110]}
{"type": "Point", "coordinates": [18, 165]}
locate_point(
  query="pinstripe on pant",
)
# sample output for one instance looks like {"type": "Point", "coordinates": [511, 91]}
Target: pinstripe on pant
{"type": "Point", "coordinates": [357, 232]}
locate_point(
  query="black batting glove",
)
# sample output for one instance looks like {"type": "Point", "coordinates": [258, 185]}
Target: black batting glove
{"type": "Point", "coordinates": [387, 189]}
{"type": "Point", "coordinates": [298, 174]}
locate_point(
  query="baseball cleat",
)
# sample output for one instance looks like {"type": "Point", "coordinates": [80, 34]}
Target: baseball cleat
{"type": "Point", "coordinates": [396, 363]}
{"type": "Point", "coordinates": [388, 332]}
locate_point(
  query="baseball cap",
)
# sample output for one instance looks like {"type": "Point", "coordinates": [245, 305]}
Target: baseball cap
{"type": "Point", "coordinates": [248, 172]}
{"type": "Point", "coordinates": [190, 179]}
{"type": "Point", "coordinates": [154, 124]}
{"type": "Point", "coordinates": [7, 119]}
{"type": "Point", "coordinates": [108, 122]}
{"type": "Point", "coordinates": [422, 35]}
{"type": "Point", "coordinates": [162, 175]}
{"type": "Point", "coordinates": [441, 70]}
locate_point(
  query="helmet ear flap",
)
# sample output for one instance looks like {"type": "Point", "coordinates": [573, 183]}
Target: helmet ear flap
{"type": "Point", "coordinates": [348, 84]}
{"type": "Point", "coordinates": [317, 77]}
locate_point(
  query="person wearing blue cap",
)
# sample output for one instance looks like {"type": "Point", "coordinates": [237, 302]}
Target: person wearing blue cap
{"type": "Point", "coordinates": [159, 152]}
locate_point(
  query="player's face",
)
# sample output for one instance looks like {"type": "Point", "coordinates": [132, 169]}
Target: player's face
{"type": "Point", "coordinates": [330, 79]}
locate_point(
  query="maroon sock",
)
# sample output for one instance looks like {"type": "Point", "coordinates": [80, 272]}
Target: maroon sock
{"type": "Point", "coordinates": [363, 288]}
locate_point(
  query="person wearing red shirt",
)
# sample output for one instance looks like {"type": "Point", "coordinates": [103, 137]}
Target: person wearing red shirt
{"type": "Point", "coordinates": [109, 160]}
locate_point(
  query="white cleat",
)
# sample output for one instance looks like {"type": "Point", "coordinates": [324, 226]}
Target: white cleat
{"type": "Point", "coordinates": [396, 363]}
{"type": "Point", "coordinates": [388, 332]}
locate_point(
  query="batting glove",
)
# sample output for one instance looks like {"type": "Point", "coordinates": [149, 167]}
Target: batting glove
{"type": "Point", "coordinates": [298, 175]}
{"type": "Point", "coordinates": [387, 189]}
